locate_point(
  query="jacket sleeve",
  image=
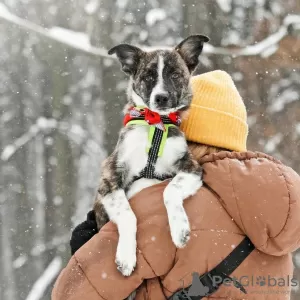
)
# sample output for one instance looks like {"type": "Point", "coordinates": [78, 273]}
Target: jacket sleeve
{"type": "Point", "coordinates": [92, 272]}
{"type": "Point", "coordinates": [72, 284]}
{"type": "Point", "coordinates": [268, 206]}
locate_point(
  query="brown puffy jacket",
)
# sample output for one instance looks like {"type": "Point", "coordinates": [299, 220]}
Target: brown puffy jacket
{"type": "Point", "coordinates": [243, 194]}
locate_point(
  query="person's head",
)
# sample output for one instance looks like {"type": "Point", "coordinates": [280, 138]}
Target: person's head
{"type": "Point", "coordinates": [217, 118]}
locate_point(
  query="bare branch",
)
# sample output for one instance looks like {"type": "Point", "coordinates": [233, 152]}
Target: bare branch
{"type": "Point", "coordinates": [264, 48]}
{"type": "Point", "coordinates": [75, 40]}
{"type": "Point", "coordinates": [74, 132]}
{"type": "Point", "coordinates": [39, 249]}
{"type": "Point", "coordinates": [78, 135]}
{"type": "Point", "coordinates": [41, 124]}
{"type": "Point", "coordinates": [80, 41]}
{"type": "Point", "coordinates": [11, 149]}
{"type": "Point", "coordinates": [42, 283]}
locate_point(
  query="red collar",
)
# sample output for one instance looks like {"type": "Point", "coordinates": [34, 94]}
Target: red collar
{"type": "Point", "coordinates": [151, 117]}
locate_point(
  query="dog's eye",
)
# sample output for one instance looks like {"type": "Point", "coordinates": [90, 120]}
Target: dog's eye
{"type": "Point", "coordinates": [149, 78]}
{"type": "Point", "coordinates": [175, 75]}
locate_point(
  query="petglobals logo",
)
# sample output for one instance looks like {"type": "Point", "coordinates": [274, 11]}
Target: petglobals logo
{"type": "Point", "coordinates": [268, 281]}
{"type": "Point", "coordinates": [201, 288]}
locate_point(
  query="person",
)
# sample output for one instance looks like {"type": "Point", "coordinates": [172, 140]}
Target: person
{"type": "Point", "coordinates": [246, 196]}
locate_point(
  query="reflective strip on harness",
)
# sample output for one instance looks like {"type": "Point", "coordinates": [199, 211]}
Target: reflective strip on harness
{"type": "Point", "coordinates": [156, 143]}
{"type": "Point", "coordinates": [151, 134]}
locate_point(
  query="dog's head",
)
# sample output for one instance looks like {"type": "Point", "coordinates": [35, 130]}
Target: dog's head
{"type": "Point", "coordinates": [160, 79]}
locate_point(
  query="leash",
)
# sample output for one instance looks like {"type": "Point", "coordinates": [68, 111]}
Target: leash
{"type": "Point", "coordinates": [206, 286]}
{"type": "Point", "coordinates": [157, 136]}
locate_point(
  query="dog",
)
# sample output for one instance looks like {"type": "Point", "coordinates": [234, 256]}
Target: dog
{"type": "Point", "coordinates": [158, 92]}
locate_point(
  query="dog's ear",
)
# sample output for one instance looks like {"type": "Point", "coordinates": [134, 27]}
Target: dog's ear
{"type": "Point", "coordinates": [129, 57]}
{"type": "Point", "coordinates": [190, 49]}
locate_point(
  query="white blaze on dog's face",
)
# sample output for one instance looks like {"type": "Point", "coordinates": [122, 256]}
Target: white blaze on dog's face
{"type": "Point", "coordinates": [159, 95]}
{"type": "Point", "coordinates": [160, 79]}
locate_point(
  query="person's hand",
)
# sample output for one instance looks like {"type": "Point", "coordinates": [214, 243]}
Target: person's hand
{"type": "Point", "coordinates": [83, 232]}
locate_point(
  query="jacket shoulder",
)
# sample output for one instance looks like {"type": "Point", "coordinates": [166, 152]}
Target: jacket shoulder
{"type": "Point", "coordinates": [241, 156]}
{"type": "Point", "coordinates": [261, 194]}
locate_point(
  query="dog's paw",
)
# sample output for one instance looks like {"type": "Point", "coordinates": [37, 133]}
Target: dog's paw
{"type": "Point", "coordinates": [125, 267]}
{"type": "Point", "coordinates": [180, 234]}
{"type": "Point", "coordinates": [126, 258]}
{"type": "Point", "coordinates": [179, 227]}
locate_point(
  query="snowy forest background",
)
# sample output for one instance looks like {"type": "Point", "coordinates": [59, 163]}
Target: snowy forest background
{"type": "Point", "coordinates": [61, 97]}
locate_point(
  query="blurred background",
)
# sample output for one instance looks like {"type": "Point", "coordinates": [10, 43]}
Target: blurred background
{"type": "Point", "coordinates": [61, 98]}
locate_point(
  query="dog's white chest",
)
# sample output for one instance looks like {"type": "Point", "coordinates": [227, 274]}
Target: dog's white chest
{"type": "Point", "coordinates": [133, 155]}
{"type": "Point", "coordinates": [132, 152]}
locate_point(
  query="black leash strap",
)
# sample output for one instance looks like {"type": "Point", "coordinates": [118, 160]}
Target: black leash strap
{"type": "Point", "coordinates": [207, 285]}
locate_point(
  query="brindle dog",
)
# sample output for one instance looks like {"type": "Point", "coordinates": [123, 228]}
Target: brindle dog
{"type": "Point", "coordinates": [160, 81]}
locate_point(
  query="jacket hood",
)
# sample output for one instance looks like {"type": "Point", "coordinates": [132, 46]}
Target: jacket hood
{"type": "Point", "coordinates": [260, 194]}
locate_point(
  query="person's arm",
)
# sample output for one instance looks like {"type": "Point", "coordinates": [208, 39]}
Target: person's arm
{"type": "Point", "coordinates": [92, 274]}
{"type": "Point", "coordinates": [83, 232]}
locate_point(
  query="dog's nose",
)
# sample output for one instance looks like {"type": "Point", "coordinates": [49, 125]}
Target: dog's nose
{"type": "Point", "coordinates": [161, 99]}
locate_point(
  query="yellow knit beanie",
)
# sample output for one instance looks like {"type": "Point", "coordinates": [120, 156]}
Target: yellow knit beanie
{"type": "Point", "coordinates": [217, 116]}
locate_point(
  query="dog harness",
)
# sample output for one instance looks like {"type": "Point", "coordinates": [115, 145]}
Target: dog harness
{"type": "Point", "coordinates": [157, 136]}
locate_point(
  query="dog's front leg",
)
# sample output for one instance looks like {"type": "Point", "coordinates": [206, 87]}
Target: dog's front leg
{"type": "Point", "coordinates": [116, 205]}
{"type": "Point", "coordinates": [119, 211]}
{"type": "Point", "coordinates": [186, 183]}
